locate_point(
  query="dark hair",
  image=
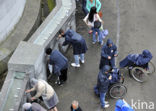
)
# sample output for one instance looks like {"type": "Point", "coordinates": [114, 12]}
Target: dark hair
{"type": "Point", "coordinates": [48, 51]}
{"type": "Point", "coordinates": [61, 31]}
{"type": "Point", "coordinates": [91, 14]}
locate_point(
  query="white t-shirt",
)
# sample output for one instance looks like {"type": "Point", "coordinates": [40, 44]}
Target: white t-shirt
{"type": "Point", "coordinates": [96, 17]}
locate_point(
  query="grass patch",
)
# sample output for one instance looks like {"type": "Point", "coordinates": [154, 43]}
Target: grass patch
{"type": "Point", "coordinates": [51, 4]}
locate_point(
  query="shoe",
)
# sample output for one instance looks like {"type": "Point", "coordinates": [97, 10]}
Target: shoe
{"type": "Point", "coordinates": [101, 43]}
{"type": "Point", "coordinates": [93, 42]}
{"type": "Point", "coordinates": [74, 65]}
{"type": "Point", "coordinates": [82, 61]}
{"type": "Point", "coordinates": [106, 106]}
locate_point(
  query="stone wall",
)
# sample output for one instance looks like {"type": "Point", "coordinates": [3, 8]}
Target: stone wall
{"type": "Point", "coordinates": [10, 13]}
{"type": "Point", "coordinates": [29, 60]}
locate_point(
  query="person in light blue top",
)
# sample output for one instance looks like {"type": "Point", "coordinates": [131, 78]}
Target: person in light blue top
{"type": "Point", "coordinates": [92, 3]}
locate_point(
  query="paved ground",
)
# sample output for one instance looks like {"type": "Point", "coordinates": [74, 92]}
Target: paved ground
{"type": "Point", "coordinates": [137, 32]}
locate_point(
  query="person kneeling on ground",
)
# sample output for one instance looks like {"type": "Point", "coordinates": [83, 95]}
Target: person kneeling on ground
{"type": "Point", "coordinates": [46, 91]}
{"type": "Point", "coordinates": [59, 64]}
{"type": "Point", "coordinates": [75, 106]}
{"type": "Point", "coordinates": [33, 107]}
{"type": "Point", "coordinates": [78, 43]}
{"type": "Point", "coordinates": [103, 82]}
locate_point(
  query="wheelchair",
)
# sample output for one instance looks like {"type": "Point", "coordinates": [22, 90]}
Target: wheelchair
{"type": "Point", "coordinates": [117, 89]}
{"type": "Point", "coordinates": [140, 73]}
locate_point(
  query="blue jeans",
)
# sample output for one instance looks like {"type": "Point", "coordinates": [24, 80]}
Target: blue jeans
{"type": "Point", "coordinates": [99, 35]}
{"type": "Point", "coordinates": [102, 99]}
{"type": "Point", "coordinates": [76, 57]}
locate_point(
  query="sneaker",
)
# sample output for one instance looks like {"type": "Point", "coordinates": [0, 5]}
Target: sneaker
{"type": "Point", "coordinates": [93, 42]}
{"type": "Point", "coordinates": [82, 61]}
{"type": "Point", "coordinates": [101, 43]}
{"type": "Point", "coordinates": [74, 65]}
{"type": "Point", "coordinates": [106, 106]}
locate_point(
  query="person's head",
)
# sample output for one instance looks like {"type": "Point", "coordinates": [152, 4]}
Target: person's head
{"type": "Point", "coordinates": [48, 51]}
{"type": "Point", "coordinates": [109, 42]}
{"type": "Point", "coordinates": [106, 69]}
{"type": "Point", "coordinates": [61, 33]}
{"type": "Point", "coordinates": [27, 107]}
{"type": "Point", "coordinates": [75, 104]}
{"type": "Point", "coordinates": [91, 14]}
{"type": "Point", "coordinates": [146, 53]}
{"type": "Point", "coordinates": [33, 82]}
{"type": "Point", "coordinates": [91, 1]}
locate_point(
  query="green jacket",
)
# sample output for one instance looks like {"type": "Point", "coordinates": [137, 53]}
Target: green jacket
{"type": "Point", "coordinates": [89, 5]}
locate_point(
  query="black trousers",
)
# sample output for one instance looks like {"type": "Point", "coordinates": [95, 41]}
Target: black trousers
{"type": "Point", "coordinates": [63, 76]}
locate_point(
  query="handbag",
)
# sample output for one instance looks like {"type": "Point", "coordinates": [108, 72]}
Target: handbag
{"type": "Point", "coordinates": [100, 12]}
{"type": "Point", "coordinates": [97, 24]}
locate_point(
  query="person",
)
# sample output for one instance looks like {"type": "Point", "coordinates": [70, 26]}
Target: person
{"type": "Point", "coordinates": [103, 82]}
{"type": "Point", "coordinates": [44, 90]}
{"type": "Point", "coordinates": [93, 3]}
{"type": "Point", "coordinates": [59, 63]}
{"type": "Point", "coordinates": [75, 106]}
{"type": "Point", "coordinates": [122, 105]}
{"type": "Point", "coordinates": [108, 54]}
{"type": "Point", "coordinates": [90, 20]}
{"type": "Point", "coordinates": [141, 60]}
{"type": "Point", "coordinates": [32, 107]}
{"type": "Point", "coordinates": [78, 43]}
{"type": "Point", "coordinates": [84, 2]}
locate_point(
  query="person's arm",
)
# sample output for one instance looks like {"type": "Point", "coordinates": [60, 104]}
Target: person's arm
{"type": "Point", "coordinates": [115, 51]}
{"type": "Point", "coordinates": [30, 90]}
{"type": "Point", "coordinates": [88, 5]}
{"type": "Point", "coordinates": [98, 4]}
{"type": "Point", "coordinates": [39, 91]}
{"type": "Point", "coordinates": [103, 53]}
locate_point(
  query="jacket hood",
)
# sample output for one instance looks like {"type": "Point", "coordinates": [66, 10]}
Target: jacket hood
{"type": "Point", "coordinates": [106, 68]}
{"type": "Point", "coordinates": [109, 41]}
{"type": "Point", "coordinates": [147, 53]}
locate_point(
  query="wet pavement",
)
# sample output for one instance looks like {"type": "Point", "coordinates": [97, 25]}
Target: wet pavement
{"type": "Point", "coordinates": [137, 32]}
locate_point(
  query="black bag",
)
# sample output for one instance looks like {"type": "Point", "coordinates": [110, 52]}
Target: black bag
{"type": "Point", "coordinates": [97, 24]}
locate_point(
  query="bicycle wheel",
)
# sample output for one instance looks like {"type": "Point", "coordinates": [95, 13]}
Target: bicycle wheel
{"type": "Point", "coordinates": [139, 74]}
{"type": "Point", "coordinates": [117, 91]}
{"type": "Point", "coordinates": [151, 67]}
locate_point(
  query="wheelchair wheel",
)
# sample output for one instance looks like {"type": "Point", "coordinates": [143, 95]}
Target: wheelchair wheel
{"type": "Point", "coordinates": [117, 91]}
{"type": "Point", "coordinates": [151, 69]}
{"type": "Point", "coordinates": [139, 74]}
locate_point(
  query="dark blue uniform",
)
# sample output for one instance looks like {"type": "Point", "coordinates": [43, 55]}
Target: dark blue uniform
{"type": "Point", "coordinates": [137, 59]}
{"type": "Point", "coordinates": [108, 51]}
{"type": "Point", "coordinates": [77, 41]}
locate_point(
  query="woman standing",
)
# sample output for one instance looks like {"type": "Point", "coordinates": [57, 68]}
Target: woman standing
{"type": "Point", "coordinates": [47, 93]}
{"type": "Point", "coordinates": [90, 20]}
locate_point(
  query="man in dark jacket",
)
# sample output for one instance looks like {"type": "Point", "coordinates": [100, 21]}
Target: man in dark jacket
{"type": "Point", "coordinates": [108, 54]}
{"type": "Point", "coordinates": [78, 43]}
{"type": "Point", "coordinates": [141, 60]}
{"type": "Point", "coordinates": [59, 63]}
{"type": "Point", "coordinates": [103, 82]}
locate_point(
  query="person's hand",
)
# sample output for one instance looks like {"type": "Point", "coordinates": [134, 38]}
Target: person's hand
{"type": "Point", "coordinates": [33, 98]}
{"type": "Point", "coordinates": [115, 55]}
{"type": "Point", "coordinates": [110, 77]}
{"type": "Point", "coordinates": [59, 36]}
{"type": "Point", "coordinates": [109, 57]}
{"type": "Point", "coordinates": [28, 91]}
